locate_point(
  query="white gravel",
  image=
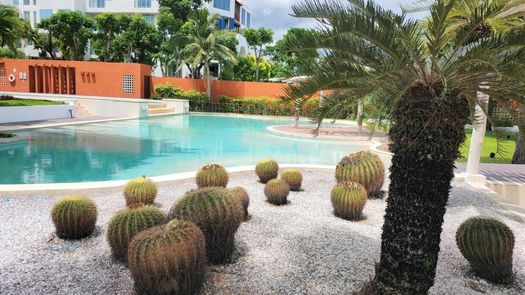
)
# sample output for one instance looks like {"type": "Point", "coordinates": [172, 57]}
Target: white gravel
{"type": "Point", "coordinates": [299, 248]}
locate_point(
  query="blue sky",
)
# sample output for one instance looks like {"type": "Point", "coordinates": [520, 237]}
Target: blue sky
{"type": "Point", "coordinates": [275, 14]}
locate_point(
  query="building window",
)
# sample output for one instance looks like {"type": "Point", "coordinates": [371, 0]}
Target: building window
{"type": "Point", "coordinates": [97, 3]}
{"type": "Point", "coordinates": [34, 2]}
{"type": "Point", "coordinates": [248, 20]}
{"type": "Point", "coordinates": [143, 3]}
{"type": "Point", "coordinates": [27, 2]}
{"type": "Point", "coordinates": [15, 2]}
{"type": "Point", "coordinates": [149, 18]}
{"type": "Point", "coordinates": [34, 19]}
{"type": "Point", "coordinates": [3, 78]}
{"type": "Point", "coordinates": [243, 16]}
{"type": "Point", "coordinates": [45, 13]}
{"type": "Point", "coordinates": [27, 15]}
{"type": "Point", "coordinates": [128, 84]}
{"type": "Point", "coordinates": [222, 4]}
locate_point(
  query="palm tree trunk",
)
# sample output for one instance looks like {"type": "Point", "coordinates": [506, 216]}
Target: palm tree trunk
{"type": "Point", "coordinates": [360, 116]}
{"type": "Point", "coordinates": [257, 69]}
{"type": "Point", "coordinates": [208, 80]}
{"type": "Point", "coordinates": [426, 137]}
{"type": "Point", "coordinates": [519, 154]}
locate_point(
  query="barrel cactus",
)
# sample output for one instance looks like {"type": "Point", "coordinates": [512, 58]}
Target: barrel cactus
{"type": "Point", "coordinates": [267, 170]}
{"type": "Point", "coordinates": [140, 190]}
{"type": "Point", "coordinates": [348, 200]}
{"type": "Point", "coordinates": [218, 215]}
{"type": "Point", "coordinates": [127, 223]}
{"type": "Point", "coordinates": [487, 244]}
{"type": "Point", "coordinates": [241, 195]}
{"type": "Point", "coordinates": [294, 178]}
{"type": "Point", "coordinates": [168, 259]}
{"type": "Point", "coordinates": [212, 175]}
{"type": "Point", "coordinates": [365, 168]}
{"type": "Point", "coordinates": [276, 191]}
{"type": "Point", "coordinates": [74, 217]}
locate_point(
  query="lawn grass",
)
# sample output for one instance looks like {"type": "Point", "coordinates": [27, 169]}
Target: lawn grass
{"type": "Point", "coordinates": [507, 147]}
{"type": "Point", "coordinates": [27, 102]}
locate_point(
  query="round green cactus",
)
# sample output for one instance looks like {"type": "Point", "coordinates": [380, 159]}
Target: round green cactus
{"type": "Point", "coordinates": [348, 200]}
{"type": "Point", "coordinates": [241, 195]}
{"type": "Point", "coordinates": [212, 175]}
{"type": "Point", "coordinates": [365, 168]}
{"type": "Point", "coordinates": [294, 178]}
{"type": "Point", "coordinates": [218, 215]}
{"type": "Point", "coordinates": [127, 223]}
{"type": "Point", "coordinates": [276, 191]}
{"type": "Point", "coordinates": [74, 217]}
{"type": "Point", "coordinates": [140, 190]}
{"type": "Point", "coordinates": [168, 259]}
{"type": "Point", "coordinates": [487, 244]}
{"type": "Point", "coordinates": [267, 169]}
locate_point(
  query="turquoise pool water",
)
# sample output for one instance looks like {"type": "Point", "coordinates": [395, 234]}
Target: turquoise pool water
{"type": "Point", "coordinates": [155, 146]}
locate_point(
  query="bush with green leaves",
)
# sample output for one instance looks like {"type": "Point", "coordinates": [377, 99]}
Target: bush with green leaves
{"type": "Point", "coordinates": [488, 245]}
{"type": "Point", "coordinates": [168, 259]}
{"type": "Point", "coordinates": [241, 195]}
{"type": "Point", "coordinates": [212, 175]}
{"type": "Point", "coordinates": [277, 191]}
{"type": "Point", "coordinates": [74, 217]}
{"type": "Point", "coordinates": [294, 178]}
{"type": "Point", "coordinates": [128, 222]}
{"type": "Point", "coordinates": [218, 215]}
{"type": "Point", "coordinates": [365, 168]}
{"type": "Point", "coordinates": [267, 169]}
{"type": "Point", "coordinates": [348, 200]}
{"type": "Point", "coordinates": [140, 190]}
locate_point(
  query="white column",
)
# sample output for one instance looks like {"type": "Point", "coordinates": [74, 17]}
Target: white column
{"type": "Point", "coordinates": [360, 116]}
{"type": "Point", "coordinates": [478, 135]}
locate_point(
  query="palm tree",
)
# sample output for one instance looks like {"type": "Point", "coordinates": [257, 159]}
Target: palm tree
{"type": "Point", "coordinates": [12, 27]}
{"type": "Point", "coordinates": [204, 44]}
{"type": "Point", "coordinates": [431, 76]}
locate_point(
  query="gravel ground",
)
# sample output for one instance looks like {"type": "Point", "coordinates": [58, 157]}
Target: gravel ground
{"type": "Point", "coordinates": [300, 248]}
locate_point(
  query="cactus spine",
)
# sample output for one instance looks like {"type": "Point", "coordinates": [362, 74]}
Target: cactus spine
{"type": "Point", "coordinates": [212, 175]}
{"type": "Point", "coordinates": [276, 191]}
{"type": "Point", "coordinates": [294, 178]}
{"type": "Point", "coordinates": [127, 223]}
{"type": "Point", "coordinates": [241, 195]}
{"type": "Point", "coordinates": [140, 190]}
{"type": "Point", "coordinates": [168, 259]}
{"type": "Point", "coordinates": [74, 217]}
{"type": "Point", "coordinates": [348, 200]}
{"type": "Point", "coordinates": [218, 215]}
{"type": "Point", "coordinates": [267, 170]}
{"type": "Point", "coordinates": [487, 244]}
{"type": "Point", "coordinates": [365, 168]}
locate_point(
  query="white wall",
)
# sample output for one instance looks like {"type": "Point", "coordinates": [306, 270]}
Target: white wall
{"type": "Point", "coordinates": [34, 113]}
{"type": "Point", "coordinates": [181, 106]}
{"type": "Point", "coordinates": [114, 109]}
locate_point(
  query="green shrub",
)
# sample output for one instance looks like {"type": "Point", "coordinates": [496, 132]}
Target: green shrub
{"type": "Point", "coordinates": [218, 215]}
{"type": "Point", "coordinates": [348, 200]}
{"type": "Point", "coordinates": [277, 191]}
{"type": "Point", "coordinates": [127, 223]}
{"type": "Point", "coordinates": [365, 168]}
{"type": "Point", "coordinates": [488, 245]}
{"type": "Point", "coordinates": [168, 259]}
{"type": "Point", "coordinates": [267, 169]}
{"type": "Point", "coordinates": [241, 195]}
{"type": "Point", "coordinates": [167, 90]}
{"type": "Point", "coordinates": [212, 175]}
{"type": "Point", "coordinates": [6, 135]}
{"type": "Point", "coordinates": [140, 190]}
{"type": "Point", "coordinates": [505, 122]}
{"type": "Point", "coordinates": [74, 217]}
{"type": "Point", "coordinates": [294, 178]}
{"type": "Point", "coordinates": [267, 106]}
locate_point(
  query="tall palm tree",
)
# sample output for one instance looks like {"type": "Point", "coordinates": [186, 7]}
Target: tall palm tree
{"type": "Point", "coordinates": [431, 75]}
{"type": "Point", "coordinates": [12, 27]}
{"type": "Point", "coordinates": [204, 44]}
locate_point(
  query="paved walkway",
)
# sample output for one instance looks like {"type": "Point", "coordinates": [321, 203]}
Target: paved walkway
{"type": "Point", "coordinates": [50, 123]}
{"type": "Point", "coordinates": [499, 172]}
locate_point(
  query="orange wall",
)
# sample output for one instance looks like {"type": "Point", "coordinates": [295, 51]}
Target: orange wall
{"type": "Point", "coordinates": [92, 78]}
{"type": "Point", "coordinates": [228, 88]}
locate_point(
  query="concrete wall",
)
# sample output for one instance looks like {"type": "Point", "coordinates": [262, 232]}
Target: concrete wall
{"type": "Point", "coordinates": [181, 106]}
{"type": "Point", "coordinates": [34, 113]}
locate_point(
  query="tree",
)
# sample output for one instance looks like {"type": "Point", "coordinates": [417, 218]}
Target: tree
{"type": "Point", "coordinates": [257, 40]}
{"type": "Point", "coordinates": [181, 9]}
{"type": "Point", "coordinates": [45, 40]}
{"type": "Point", "coordinates": [291, 62]}
{"type": "Point", "coordinates": [12, 27]}
{"type": "Point", "coordinates": [108, 27]}
{"type": "Point", "coordinates": [204, 44]}
{"type": "Point", "coordinates": [245, 68]}
{"type": "Point", "coordinates": [140, 40]}
{"type": "Point", "coordinates": [430, 75]}
{"type": "Point", "coordinates": [72, 31]}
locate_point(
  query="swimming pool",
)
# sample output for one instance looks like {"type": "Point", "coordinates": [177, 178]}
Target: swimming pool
{"type": "Point", "coordinates": [156, 146]}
